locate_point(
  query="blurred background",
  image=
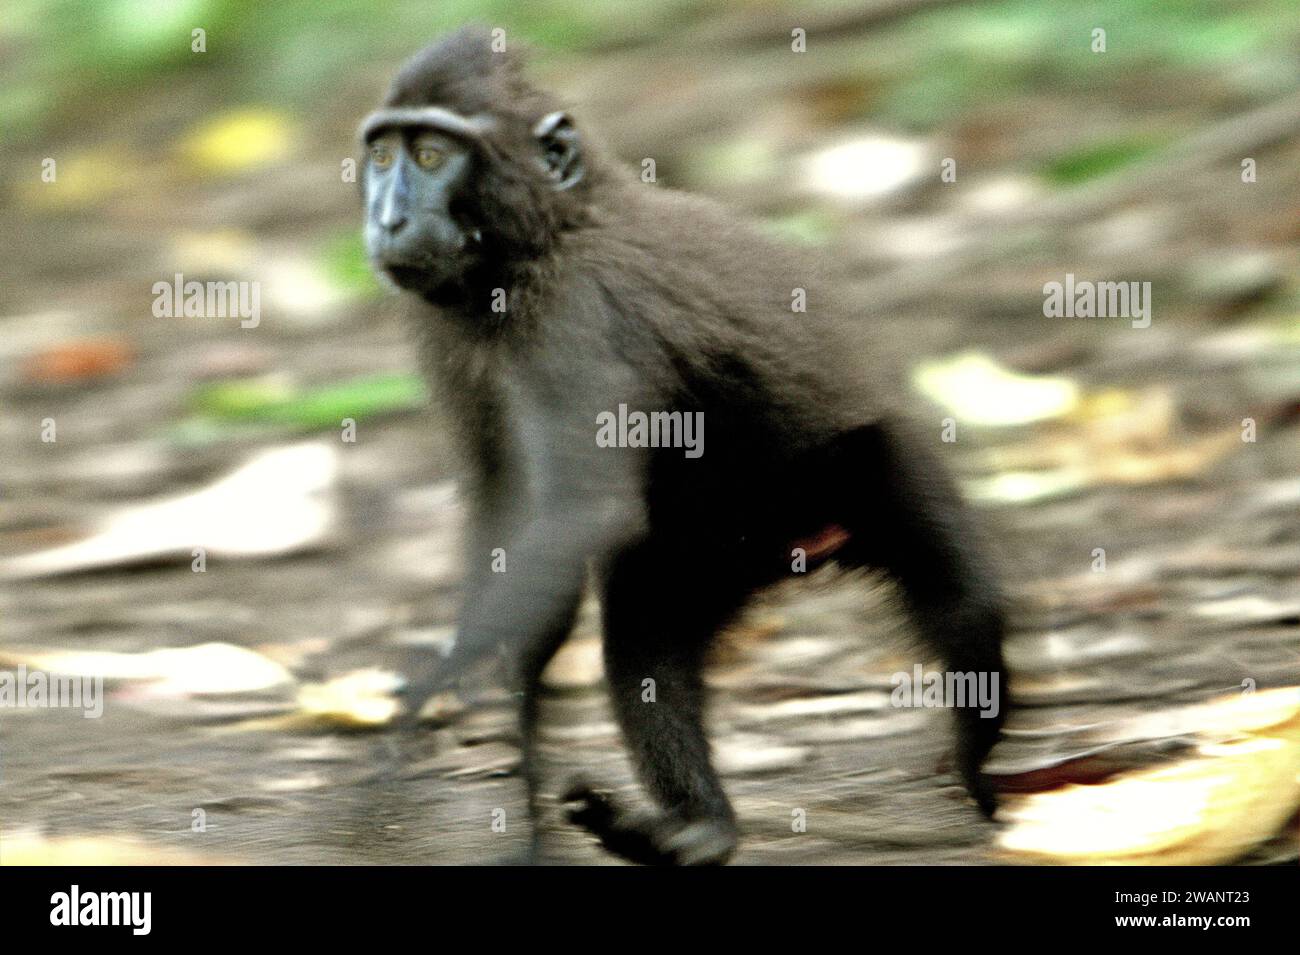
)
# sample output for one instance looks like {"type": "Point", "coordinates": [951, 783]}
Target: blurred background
{"type": "Point", "coordinates": [186, 512]}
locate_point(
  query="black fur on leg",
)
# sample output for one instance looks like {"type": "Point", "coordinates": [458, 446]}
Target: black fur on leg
{"type": "Point", "coordinates": [907, 518]}
{"type": "Point", "coordinates": [650, 639]}
{"type": "Point", "coordinates": [649, 838]}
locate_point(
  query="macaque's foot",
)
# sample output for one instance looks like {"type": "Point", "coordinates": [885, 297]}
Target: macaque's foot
{"type": "Point", "coordinates": [975, 738]}
{"type": "Point", "coordinates": [981, 790]}
{"type": "Point", "coordinates": [650, 838]}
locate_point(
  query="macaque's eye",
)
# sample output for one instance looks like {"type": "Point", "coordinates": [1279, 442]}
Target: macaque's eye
{"type": "Point", "coordinates": [428, 157]}
{"type": "Point", "coordinates": [381, 157]}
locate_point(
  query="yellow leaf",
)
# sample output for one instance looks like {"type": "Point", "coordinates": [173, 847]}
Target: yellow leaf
{"type": "Point", "coordinates": [1026, 487]}
{"type": "Point", "coordinates": [976, 389]}
{"type": "Point", "coordinates": [238, 141]}
{"type": "Point", "coordinates": [1238, 791]}
{"type": "Point", "coordinates": [84, 179]}
{"type": "Point", "coordinates": [30, 848]}
{"type": "Point", "coordinates": [362, 698]}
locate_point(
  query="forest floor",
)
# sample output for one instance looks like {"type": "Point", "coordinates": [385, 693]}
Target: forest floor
{"type": "Point", "coordinates": [1199, 596]}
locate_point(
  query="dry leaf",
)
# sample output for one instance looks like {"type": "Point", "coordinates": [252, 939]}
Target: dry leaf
{"type": "Point", "coordinates": [577, 665]}
{"type": "Point", "coordinates": [1238, 791]}
{"type": "Point", "coordinates": [976, 389]}
{"type": "Point", "coordinates": [30, 848]}
{"type": "Point", "coordinates": [281, 500]}
{"type": "Point", "coordinates": [181, 671]}
{"type": "Point", "coordinates": [80, 360]}
{"type": "Point", "coordinates": [362, 698]}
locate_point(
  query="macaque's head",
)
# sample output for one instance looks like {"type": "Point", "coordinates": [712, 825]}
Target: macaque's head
{"type": "Point", "coordinates": [468, 169]}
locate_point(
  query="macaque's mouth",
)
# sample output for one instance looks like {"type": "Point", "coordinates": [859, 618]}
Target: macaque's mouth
{"type": "Point", "coordinates": [428, 273]}
{"type": "Point", "coordinates": [408, 276]}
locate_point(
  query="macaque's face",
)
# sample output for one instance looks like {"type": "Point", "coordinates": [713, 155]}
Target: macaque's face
{"type": "Point", "coordinates": [415, 181]}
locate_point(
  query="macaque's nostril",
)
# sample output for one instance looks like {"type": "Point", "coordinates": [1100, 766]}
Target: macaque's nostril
{"type": "Point", "coordinates": [393, 223]}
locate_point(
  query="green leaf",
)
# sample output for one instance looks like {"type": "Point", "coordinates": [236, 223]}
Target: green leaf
{"type": "Point", "coordinates": [271, 401]}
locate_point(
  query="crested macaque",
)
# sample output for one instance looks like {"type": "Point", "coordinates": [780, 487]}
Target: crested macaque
{"type": "Point", "coordinates": [553, 292]}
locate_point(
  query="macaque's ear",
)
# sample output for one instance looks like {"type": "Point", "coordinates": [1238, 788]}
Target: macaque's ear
{"type": "Point", "coordinates": [561, 149]}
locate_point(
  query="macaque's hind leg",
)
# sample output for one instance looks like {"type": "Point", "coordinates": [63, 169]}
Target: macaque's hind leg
{"type": "Point", "coordinates": [657, 632]}
{"type": "Point", "coordinates": [908, 519]}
